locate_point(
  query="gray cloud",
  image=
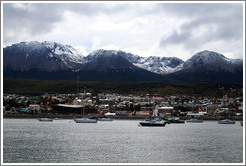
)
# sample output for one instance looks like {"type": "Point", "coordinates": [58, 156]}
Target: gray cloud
{"type": "Point", "coordinates": [208, 23]}
{"type": "Point", "coordinates": [29, 20]}
{"type": "Point", "coordinates": [21, 21]}
{"type": "Point", "coordinates": [186, 26]}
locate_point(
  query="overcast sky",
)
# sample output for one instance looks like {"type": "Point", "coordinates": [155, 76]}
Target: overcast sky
{"type": "Point", "coordinates": [146, 29]}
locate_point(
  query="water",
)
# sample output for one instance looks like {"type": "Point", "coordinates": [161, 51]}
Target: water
{"type": "Point", "coordinates": [120, 141]}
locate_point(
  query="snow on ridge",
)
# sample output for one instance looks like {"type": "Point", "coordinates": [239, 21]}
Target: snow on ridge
{"type": "Point", "coordinates": [159, 65]}
{"type": "Point", "coordinates": [66, 52]}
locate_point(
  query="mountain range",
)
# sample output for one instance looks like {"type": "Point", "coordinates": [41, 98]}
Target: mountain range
{"type": "Point", "coordinates": [51, 60]}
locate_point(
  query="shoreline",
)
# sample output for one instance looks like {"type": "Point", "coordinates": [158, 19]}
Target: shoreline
{"type": "Point", "coordinates": [24, 116]}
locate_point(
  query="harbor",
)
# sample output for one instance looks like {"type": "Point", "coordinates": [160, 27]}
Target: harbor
{"type": "Point", "coordinates": [120, 141]}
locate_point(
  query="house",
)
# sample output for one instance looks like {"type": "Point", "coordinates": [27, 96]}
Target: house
{"type": "Point", "coordinates": [164, 111]}
{"type": "Point", "coordinates": [35, 108]}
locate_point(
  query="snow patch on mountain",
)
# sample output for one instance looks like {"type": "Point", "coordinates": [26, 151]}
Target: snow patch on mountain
{"type": "Point", "coordinates": [153, 64]}
{"type": "Point", "coordinates": [158, 65]}
{"type": "Point", "coordinates": [65, 52]}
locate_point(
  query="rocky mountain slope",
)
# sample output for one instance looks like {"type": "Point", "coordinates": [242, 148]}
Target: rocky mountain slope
{"type": "Point", "coordinates": [51, 60]}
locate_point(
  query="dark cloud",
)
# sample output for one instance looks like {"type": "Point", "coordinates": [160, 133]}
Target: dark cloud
{"type": "Point", "coordinates": [23, 20]}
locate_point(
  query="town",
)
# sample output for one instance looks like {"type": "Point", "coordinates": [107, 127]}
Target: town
{"type": "Point", "coordinates": [119, 106]}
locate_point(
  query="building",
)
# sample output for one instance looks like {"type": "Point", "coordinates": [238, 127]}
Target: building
{"type": "Point", "coordinates": [163, 111]}
{"type": "Point", "coordinates": [67, 109]}
{"type": "Point", "coordinates": [73, 109]}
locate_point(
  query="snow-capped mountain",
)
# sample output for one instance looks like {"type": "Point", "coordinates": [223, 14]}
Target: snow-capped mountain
{"type": "Point", "coordinates": [164, 65]}
{"type": "Point", "coordinates": [107, 59]}
{"type": "Point", "coordinates": [209, 66]}
{"type": "Point", "coordinates": [66, 52]}
{"type": "Point", "coordinates": [112, 65]}
{"type": "Point", "coordinates": [211, 61]}
{"type": "Point", "coordinates": [46, 56]}
{"type": "Point", "coordinates": [51, 60]}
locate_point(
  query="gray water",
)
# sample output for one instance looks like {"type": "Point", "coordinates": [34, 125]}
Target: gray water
{"type": "Point", "coordinates": [120, 141]}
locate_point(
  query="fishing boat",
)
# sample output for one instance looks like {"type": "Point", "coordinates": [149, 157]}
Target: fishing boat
{"type": "Point", "coordinates": [45, 120]}
{"type": "Point", "coordinates": [152, 122]}
{"type": "Point", "coordinates": [226, 121]}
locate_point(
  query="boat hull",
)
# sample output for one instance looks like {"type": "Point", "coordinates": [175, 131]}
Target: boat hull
{"type": "Point", "coordinates": [45, 120]}
{"type": "Point", "coordinates": [85, 120]}
{"type": "Point", "coordinates": [152, 123]}
{"type": "Point", "coordinates": [226, 122]}
{"type": "Point", "coordinates": [194, 121]}
{"type": "Point", "coordinates": [176, 121]}
{"type": "Point", "coordinates": [105, 119]}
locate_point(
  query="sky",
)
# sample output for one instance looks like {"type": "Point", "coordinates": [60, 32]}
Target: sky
{"type": "Point", "coordinates": [141, 28]}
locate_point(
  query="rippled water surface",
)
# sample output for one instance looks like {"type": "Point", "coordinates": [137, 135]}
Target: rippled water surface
{"type": "Point", "coordinates": [120, 141]}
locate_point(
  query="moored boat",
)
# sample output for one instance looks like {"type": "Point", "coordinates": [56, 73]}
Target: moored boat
{"type": "Point", "coordinates": [105, 119]}
{"type": "Point", "coordinates": [153, 122]}
{"type": "Point", "coordinates": [174, 120]}
{"type": "Point", "coordinates": [45, 119]}
{"type": "Point", "coordinates": [85, 120]}
{"type": "Point", "coordinates": [226, 121]}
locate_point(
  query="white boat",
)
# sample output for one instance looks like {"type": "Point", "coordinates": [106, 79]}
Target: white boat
{"type": "Point", "coordinates": [45, 119]}
{"type": "Point", "coordinates": [152, 122]}
{"type": "Point", "coordinates": [226, 121]}
{"type": "Point", "coordinates": [105, 119]}
{"type": "Point", "coordinates": [85, 120]}
{"type": "Point", "coordinates": [174, 120]}
{"type": "Point", "coordinates": [194, 120]}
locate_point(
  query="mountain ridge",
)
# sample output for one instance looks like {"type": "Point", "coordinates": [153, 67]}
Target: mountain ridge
{"type": "Point", "coordinates": [47, 58]}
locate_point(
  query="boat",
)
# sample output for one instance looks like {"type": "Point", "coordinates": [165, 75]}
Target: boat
{"type": "Point", "coordinates": [194, 120]}
{"type": "Point", "coordinates": [105, 119]}
{"type": "Point", "coordinates": [175, 120]}
{"type": "Point", "coordinates": [86, 120]}
{"type": "Point", "coordinates": [153, 122]}
{"type": "Point", "coordinates": [45, 120]}
{"type": "Point", "coordinates": [226, 121]}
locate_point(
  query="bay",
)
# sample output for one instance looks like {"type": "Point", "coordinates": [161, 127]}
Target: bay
{"type": "Point", "coordinates": [120, 141]}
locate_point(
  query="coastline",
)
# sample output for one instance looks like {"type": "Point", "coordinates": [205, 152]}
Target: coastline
{"type": "Point", "coordinates": [24, 116]}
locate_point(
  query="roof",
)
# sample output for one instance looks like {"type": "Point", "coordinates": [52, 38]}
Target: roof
{"type": "Point", "coordinates": [69, 106]}
{"type": "Point", "coordinates": [164, 108]}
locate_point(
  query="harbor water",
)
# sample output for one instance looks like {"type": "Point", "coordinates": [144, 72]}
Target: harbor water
{"type": "Point", "coordinates": [120, 141]}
